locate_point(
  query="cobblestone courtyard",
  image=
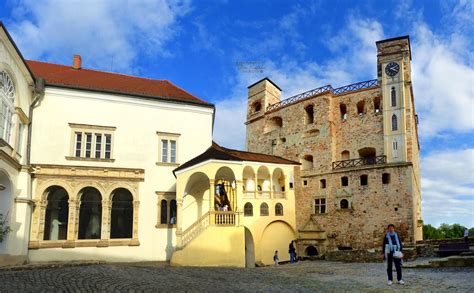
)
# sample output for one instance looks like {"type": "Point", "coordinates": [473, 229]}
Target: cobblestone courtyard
{"type": "Point", "coordinates": [303, 276]}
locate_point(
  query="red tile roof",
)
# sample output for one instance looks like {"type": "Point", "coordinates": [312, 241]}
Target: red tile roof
{"type": "Point", "coordinates": [217, 152]}
{"type": "Point", "coordinates": [93, 80]}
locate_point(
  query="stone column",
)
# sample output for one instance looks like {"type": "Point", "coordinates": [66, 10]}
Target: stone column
{"type": "Point", "coordinates": [105, 225]}
{"type": "Point", "coordinates": [255, 185]}
{"type": "Point", "coordinates": [179, 223]}
{"type": "Point", "coordinates": [212, 194]}
{"type": "Point", "coordinates": [135, 241]}
{"type": "Point", "coordinates": [40, 207]}
{"type": "Point", "coordinates": [72, 224]}
{"type": "Point", "coordinates": [43, 206]}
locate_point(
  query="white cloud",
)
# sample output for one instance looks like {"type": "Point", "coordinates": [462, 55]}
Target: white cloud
{"type": "Point", "coordinates": [109, 34]}
{"type": "Point", "coordinates": [443, 83]}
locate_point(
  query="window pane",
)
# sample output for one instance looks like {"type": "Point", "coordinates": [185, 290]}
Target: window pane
{"type": "Point", "coordinates": [108, 145]}
{"type": "Point", "coordinates": [98, 145]}
{"type": "Point", "coordinates": [172, 151]}
{"type": "Point", "coordinates": [173, 212]}
{"type": "Point", "coordinates": [164, 151]}
{"type": "Point", "coordinates": [88, 144]}
{"type": "Point", "coordinates": [164, 212]}
{"type": "Point", "coordinates": [78, 144]}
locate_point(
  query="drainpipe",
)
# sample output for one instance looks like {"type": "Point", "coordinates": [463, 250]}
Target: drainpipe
{"type": "Point", "coordinates": [38, 94]}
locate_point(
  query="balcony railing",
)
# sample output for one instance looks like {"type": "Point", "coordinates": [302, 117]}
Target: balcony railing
{"type": "Point", "coordinates": [359, 162]}
{"type": "Point", "coordinates": [222, 218]}
{"type": "Point", "coordinates": [324, 89]}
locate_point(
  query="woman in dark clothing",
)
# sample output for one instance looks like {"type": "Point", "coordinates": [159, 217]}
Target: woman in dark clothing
{"type": "Point", "coordinates": [292, 251]}
{"type": "Point", "coordinates": [392, 245]}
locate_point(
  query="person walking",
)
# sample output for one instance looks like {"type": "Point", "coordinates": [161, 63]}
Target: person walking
{"type": "Point", "coordinates": [466, 235]}
{"type": "Point", "coordinates": [276, 259]}
{"type": "Point", "coordinates": [392, 253]}
{"type": "Point", "coordinates": [292, 251]}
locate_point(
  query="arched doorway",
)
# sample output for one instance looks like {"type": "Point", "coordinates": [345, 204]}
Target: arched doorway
{"type": "Point", "coordinates": [57, 214]}
{"type": "Point", "coordinates": [249, 249]}
{"type": "Point", "coordinates": [90, 214]}
{"type": "Point", "coordinates": [276, 236]}
{"type": "Point", "coordinates": [121, 219]}
{"type": "Point", "coordinates": [311, 251]}
{"type": "Point", "coordinates": [6, 203]}
{"type": "Point", "coordinates": [195, 199]}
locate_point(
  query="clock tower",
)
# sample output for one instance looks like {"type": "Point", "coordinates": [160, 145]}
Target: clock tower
{"type": "Point", "coordinates": [399, 119]}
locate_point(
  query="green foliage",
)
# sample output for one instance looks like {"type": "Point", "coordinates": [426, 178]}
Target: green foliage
{"type": "Point", "coordinates": [4, 229]}
{"type": "Point", "coordinates": [444, 231]}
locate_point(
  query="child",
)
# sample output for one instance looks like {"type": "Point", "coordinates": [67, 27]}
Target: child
{"type": "Point", "coordinates": [275, 258]}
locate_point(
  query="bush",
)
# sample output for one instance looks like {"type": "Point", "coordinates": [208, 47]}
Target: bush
{"type": "Point", "coordinates": [444, 231]}
{"type": "Point", "coordinates": [4, 229]}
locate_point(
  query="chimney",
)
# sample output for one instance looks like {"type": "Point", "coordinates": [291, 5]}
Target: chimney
{"type": "Point", "coordinates": [77, 62]}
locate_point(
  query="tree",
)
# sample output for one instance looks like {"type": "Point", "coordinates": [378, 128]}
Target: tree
{"type": "Point", "coordinates": [4, 229]}
{"type": "Point", "coordinates": [430, 232]}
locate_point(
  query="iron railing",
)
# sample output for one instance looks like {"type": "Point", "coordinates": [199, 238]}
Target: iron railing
{"type": "Point", "coordinates": [359, 162]}
{"type": "Point", "coordinates": [327, 88]}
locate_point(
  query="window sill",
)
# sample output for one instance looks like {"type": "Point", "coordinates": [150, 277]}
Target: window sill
{"type": "Point", "coordinates": [83, 243]}
{"type": "Point", "coordinates": [165, 226]}
{"type": "Point", "coordinates": [89, 159]}
{"type": "Point", "coordinates": [167, 164]}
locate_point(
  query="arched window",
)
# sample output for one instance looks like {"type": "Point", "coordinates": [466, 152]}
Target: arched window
{"type": "Point", "coordinates": [309, 110]}
{"type": "Point", "coordinates": [257, 107]}
{"type": "Point", "coordinates": [322, 183]}
{"type": "Point", "coordinates": [394, 97]}
{"type": "Point", "coordinates": [57, 214]}
{"type": "Point", "coordinates": [90, 214]}
{"type": "Point", "coordinates": [248, 210]}
{"type": "Point", "coordinates": [343, 109]}
{"type": "Point", "coordinates": [164, 212]}
{"type": "Point", "coordinates": [263, 209]}
{"type": "Point", "coordinates": [278, 209]}
{"type": "Point", "coordinates": [345, 155]}
{"type": "Point", "coordinates": [7, 105]}
{"type": "Point", "coordinates": [394, 123]}
{"type": "Point", "coordinates": [121, 219]}
{"type": "Point", "coordinates": [344, 204]}
{"type": "Point", "coordinates": [344, 181]}
{"type": "Point", "coordinates": [173, 212]}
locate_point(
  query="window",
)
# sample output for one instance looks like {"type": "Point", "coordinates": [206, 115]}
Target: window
{"type": "Point", "coordinates": [322, 183]}
{"type": "Point", "coordinates": [344, 181]}
{"type": "Point", "coordinates": [309, 110]}
{"type": "Point", "coordinates": [57, 214]}
{"type": "Point", "coordinates": [168, 149]}
{"type": "Point", "coordinates": [394, 123]}
{"type": "Point", "coordinates": [305, 182]}
{"type": "Point", "coordinates": [360, 108]}
{"type": "Point", "coordinates": [263, 209]}
{"type": "Point", "coordinates": [91, 142]}
{"type": "Point", "coordinates": [364, 179]}
{"type": "Point", "coordinates": [394, 97]}
{"type": "Point", "coordinates": [377, 105]}
{"type": "Point", "coordinates": [274, 144]}
{"type": "Point", "coordinates": [395, 148]}
{"type": "Point", "coordinates": [167, 209]}
{"type": "Point", "coordinates": [121, 219]}
{"type": "Point", "coordinates": [345, 155]}
{"type": "Point", "coordinates": [343, 109]}
{"type": "Point", "coordinates": [248, 210]}
{"type": "Point", "coordinates": [385, 178]}
{"type": "Point", "coordinates": [278, 209]}
{"type": "Point", "coordinates": [90, 214]}
{"type": "Point", "coordinates": [307, 162]}
{"type": "Point", "coordinates": [320, 206]}
{"type": "Point", "coordinates": [257, 107]}
{"type": "Point", "coordinates": [7, 105]}
{"type": "Point", "coordinates": [344, 204]}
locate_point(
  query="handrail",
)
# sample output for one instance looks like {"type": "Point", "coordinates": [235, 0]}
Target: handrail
{"type": "Point", "coordinates": [324, 89]}
{"type": "Point", "coordinates": [225, 218]}
{"type": "Point", "coordinates": [195, 229]}
{"type": "Point", "coordinates": [359, 162]}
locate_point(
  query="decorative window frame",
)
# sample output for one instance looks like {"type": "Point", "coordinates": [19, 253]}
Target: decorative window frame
{"type": "Point", "coordinates": [168, 136]}
{"type": "Point", "coordinates": [320, 205]}
{"type": "Point", "coordinates": [8, 102]}
{"type": "Point", "coordinates": [93, 130]}
{"type": "Point", "coordinates": [168, 196]}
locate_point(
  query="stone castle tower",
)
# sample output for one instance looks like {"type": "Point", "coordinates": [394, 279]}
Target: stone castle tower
{"type": "Point", "coordinates": [359, 153]}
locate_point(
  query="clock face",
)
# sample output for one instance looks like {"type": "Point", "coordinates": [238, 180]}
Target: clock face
{"type": "Point", "coordinates": [392, 68]}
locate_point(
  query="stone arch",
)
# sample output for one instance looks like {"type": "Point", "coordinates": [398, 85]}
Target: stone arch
{"type": "Point", "coordinates": [249, 249]}
{"type": "Point", "coordinates": [225, 197]}
{"type": "Point", "coordinates": [56, 213]}
{"type": "Point", "coordinates": [263, 179]}
{"type": "Point", "coordinates": [277, 235]}
{"type": "Point", "coordinates": [195, 198]}
{"type": "Point", "coordinates": [81, 187]}
{"type": "Point", "coordinates": [345, 155]}
{"type": "Point", "coordinates": [6, 201]}
{"type": "Point", "coordinates": [248, 175]}
{"type": "Point", "coordinates": [125, 185]}
{"type": "Point", "coordinates": [122, 213]}
{"type": "Point", "coordinates": [248, 209]}
{"type": "Point", "coordinates": [273, 123]}
{"type": "Point", "coordinates": [311, 251]}
{"type": "Point", "coordinates": [42, 187]}
{"type": "Point", "coordinates": [256, 107]}
{"type": "Point", "coordinates": [278, 180]}
{"type": "Point", "coordinates": [90, 213]}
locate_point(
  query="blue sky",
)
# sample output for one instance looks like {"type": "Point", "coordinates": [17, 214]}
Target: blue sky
{"type": "Point", "coordinates": [205, 47]}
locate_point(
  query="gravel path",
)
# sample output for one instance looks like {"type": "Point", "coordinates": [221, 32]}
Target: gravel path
{"type": "Point", "coordinates": [303, 276]}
